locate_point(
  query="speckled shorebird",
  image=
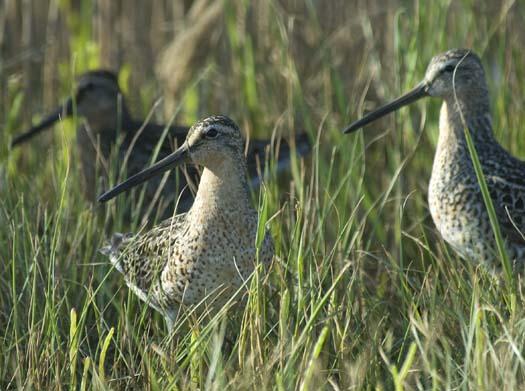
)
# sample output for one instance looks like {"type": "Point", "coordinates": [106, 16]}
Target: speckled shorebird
{"type": "Point", "coordinates": [108, 122]}
{"type": "Point", "coordinates": [455, 199]}
{"type": "Point", "coordinates": [207, 253]}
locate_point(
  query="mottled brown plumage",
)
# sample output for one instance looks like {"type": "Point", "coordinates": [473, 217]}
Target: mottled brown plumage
{"type": "Point", "coordinates": [205, 255]}
{"type": "Point", "coordinates": [455, 199]}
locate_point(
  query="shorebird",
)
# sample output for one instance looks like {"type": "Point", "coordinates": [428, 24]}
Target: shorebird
{"type": "Point", "coordinates": [454, 196]}
{"type": "Point", "coordinates": [108, 124]}
{"type": "Point", "coordinates": [207, 253]}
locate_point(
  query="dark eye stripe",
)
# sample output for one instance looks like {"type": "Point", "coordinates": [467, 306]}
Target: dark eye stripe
{"type": "Point", "coordinates": [449, 68]}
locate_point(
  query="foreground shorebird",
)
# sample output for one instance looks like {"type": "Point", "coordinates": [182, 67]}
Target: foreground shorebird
{"type": "Point", "coordinates": [455, 199]}
{"type": "Point", "coordinates": [109, 123]}
{"type": "Point", "coordinates": [206, 254]}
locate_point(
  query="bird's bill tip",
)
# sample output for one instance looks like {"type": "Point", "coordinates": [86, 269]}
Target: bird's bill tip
{"type": "Point", "coordinates": [104, 197]}
{"type": "Point", "coordinates": [180, 156]}
{"type": "Point", "coordinates": [420, 91]}
{"type": "Point", "coordinates": [63, 110]}
{"type": "Point", "coordinates": [352, 127]}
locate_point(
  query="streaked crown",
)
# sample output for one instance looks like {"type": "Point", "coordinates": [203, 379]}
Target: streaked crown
{"type": "Point", "coordinates": [458, 69]}
{"type": "Point", "coordinates": [213, 138]}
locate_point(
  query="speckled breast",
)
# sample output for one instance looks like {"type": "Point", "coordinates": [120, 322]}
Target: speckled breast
{"type": "Point", "coordinates": [458, 210]}
{"type": "Point", "coordinates": [213, 263]}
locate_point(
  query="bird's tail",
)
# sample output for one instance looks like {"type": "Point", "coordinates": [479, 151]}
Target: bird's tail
{"type": "Point", "coordinates": [114, 249]}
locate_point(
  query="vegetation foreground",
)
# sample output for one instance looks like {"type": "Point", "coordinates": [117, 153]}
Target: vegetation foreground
{"type": "Point", "coordinates": [362, 293]}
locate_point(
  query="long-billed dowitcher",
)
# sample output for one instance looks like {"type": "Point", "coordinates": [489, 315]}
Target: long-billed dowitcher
{"type": "Point", "coordinates": [208, 252]}
{"type": "Point", "coordinates": [455, 198]}
{"type": "Point", "coordinates": [108, 122]}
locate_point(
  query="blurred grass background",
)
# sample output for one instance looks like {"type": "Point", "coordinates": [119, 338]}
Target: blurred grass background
{"type": "Point", "coordinates": [363, 293]}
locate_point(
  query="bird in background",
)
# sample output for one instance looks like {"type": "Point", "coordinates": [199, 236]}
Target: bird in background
{"type": "Point", "coordinates": [108, 124]}
{"type": "Point", "coordinates": [203, 257]}
{"type": "Point", "coordinates": [110, 129]}
{"type": "Point", "coordinates": [455, 200]}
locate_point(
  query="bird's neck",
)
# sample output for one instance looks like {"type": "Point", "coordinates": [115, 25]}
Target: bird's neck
{"type": "Point", "coordinates": [223, 192]}
{"type": "Point", "coordinates": [111, 121]}
{"type": "Point", "coordinates": [458, 112]}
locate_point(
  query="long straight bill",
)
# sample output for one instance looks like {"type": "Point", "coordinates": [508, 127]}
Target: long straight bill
{"type": "Point", "coordinates": [180, 156]}
{"type": "Point", "coordinates": [63, 111]}
{"type": "Point", "coordinates": [417, 93]}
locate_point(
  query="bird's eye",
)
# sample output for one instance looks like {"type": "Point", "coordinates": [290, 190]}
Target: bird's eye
{"type": "Point", "coordinates": [212, 133]}
{"type": "Point", "coordinates": [449, 68]}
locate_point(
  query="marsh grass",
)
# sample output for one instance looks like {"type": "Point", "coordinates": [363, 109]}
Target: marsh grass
{"type": "Point", "coordinates": [362, 293]}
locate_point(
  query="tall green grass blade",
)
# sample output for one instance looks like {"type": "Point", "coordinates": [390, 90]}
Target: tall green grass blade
{"type": "Point", "coordinates": [103, 351]}
{"type": "Point", "coordinates": [500, 243]}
